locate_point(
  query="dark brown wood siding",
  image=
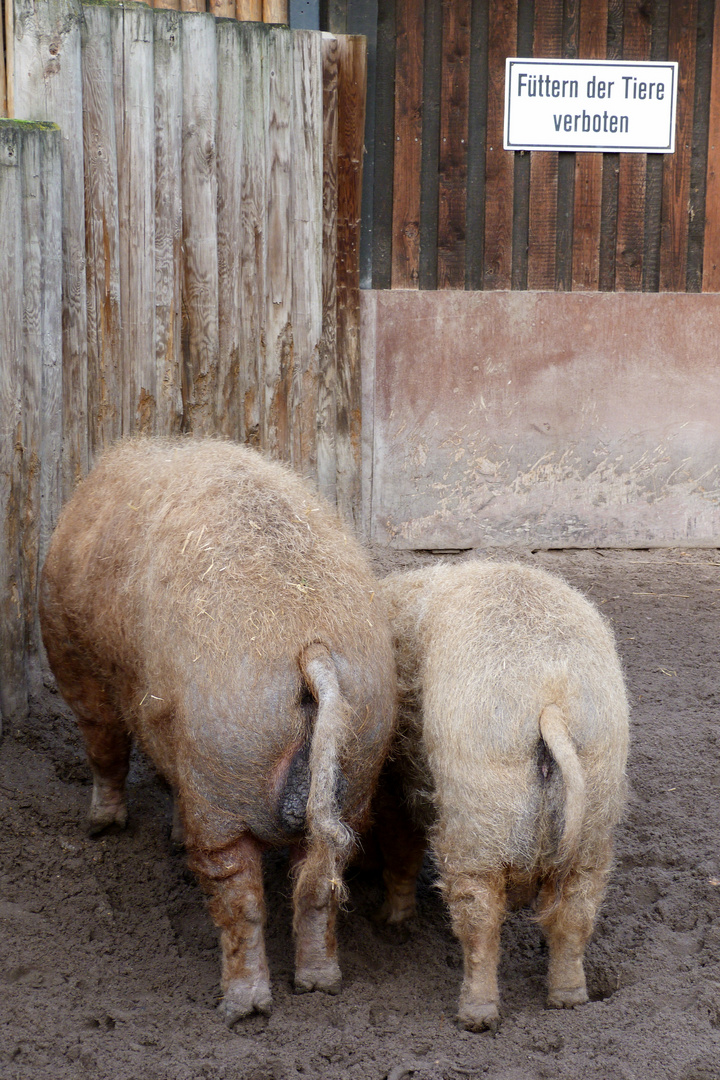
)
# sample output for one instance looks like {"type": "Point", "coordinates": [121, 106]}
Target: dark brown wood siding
{"type": "Point", "coordinates": [452, 209]}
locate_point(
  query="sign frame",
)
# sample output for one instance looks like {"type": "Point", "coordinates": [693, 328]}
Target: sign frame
{"type": "Point", "coordinates": [625, 71]}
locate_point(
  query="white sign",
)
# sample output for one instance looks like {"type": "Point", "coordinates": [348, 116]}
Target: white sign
{"type": "Point", "coordinates": [601, 105]}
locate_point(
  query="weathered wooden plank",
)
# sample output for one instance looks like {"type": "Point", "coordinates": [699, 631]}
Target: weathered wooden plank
{"type": "Point", "coordinates": [592, 45]}
{"type": "Point", "coordinates": [41, 358]}
{"type": "Point", "coordinates": [3, 81]}
{"type": "Point", "coordinates": [105, 359]}
{"type": "Point", "coordinates": [53, 91]}
{"type": "Point", "coordinates": [542, 228]}
{"type": "Point", "coordinates": [611, 168]}
{"type": "Point", "coordinates": [9, 58]}
{"type": "Point", "coordinates": [477, 111]}
{"type": "Point", "coordinates": [521, 165]}
{"type": "Point", "coordinates": [169, 5]}
{"type": "Point", "coordinates": [230, 381]}
{"type": "Point", "coordinates": [697, 206]}
{"type": "Point", "coordinates": [384, 147]}
{"type": "Point", "coordinates": [275, 11]}
{"type": "Point", "coordinates": [452, 166]}
{"type": "Point", "coordinates": [13, 676]}
{"type": "Point", "coordinates": [199, 198]}
{"type": "Point", "coordinates": [168, 220]}
{"type": "Point", "coordinates": [432, 71]}
{"type": "Point", "coordinates": [278, 375]}
{"type": "Point", "coordinates": [51, 273]}
{"type": "Point", "coordinates": [249, 10]}
{"type": "Point", "coordinates": [191, 6]}
{"type": "Point", "coordinates": [132, 46]}
{"type": "Point", "coordinates": [566, 164]}
{"type": "Point", "coordinates": [711, 253]}
{"type": "Point", "coordinates": [307, 180]}
{"type": "Point", "coordinates": [682, 41]}
{"type": "Point", "coordinates": [502, 37]}
{"type": "Point", "coordinates": [633, 168]}
{"type": "Point", "coordinates": [222, 9]}
{"type": "Point", "coordinates": [351, 125]}
{"type": "Point", "coordinates": [408, 143]}
{"type": "Point", "coordinates": [253, 314]}
{"type": "Point", "coordinates": [327, 373]}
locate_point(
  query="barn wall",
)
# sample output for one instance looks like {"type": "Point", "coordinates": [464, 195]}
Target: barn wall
{"type": "Point", "coordinates": [541, 419]}
{"type": "Point", "coordinates": [450, 209]}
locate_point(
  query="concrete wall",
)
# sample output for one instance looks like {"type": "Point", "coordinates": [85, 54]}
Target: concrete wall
{"type": "Point", "coordinates": [541, 419]}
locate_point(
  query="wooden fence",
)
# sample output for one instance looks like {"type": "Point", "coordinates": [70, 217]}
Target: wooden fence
{"type": "Point", "coordinates": [452, 209]}
{"type": "Point", "coordinates": [211, 176]}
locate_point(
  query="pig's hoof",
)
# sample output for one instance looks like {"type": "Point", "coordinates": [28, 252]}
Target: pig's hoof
{"type": "Point", "coordinates": [326, 978]}
{"type": "Point", "coordinates": [484, 1017]}
{"type": "Point", "coordinates": [241, 999]}
{"type": "Point", "coordinates": [393, 914]}
{"type": "Point", "coordinates": [104, 817]}
{"type": "Point", "coordinates": [567, 997]}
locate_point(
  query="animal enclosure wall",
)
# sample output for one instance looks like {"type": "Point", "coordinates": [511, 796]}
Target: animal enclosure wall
{"type": "Point", "coordinates": [208, 180]}
{"type": "Point", "coordinates": [452, 209]}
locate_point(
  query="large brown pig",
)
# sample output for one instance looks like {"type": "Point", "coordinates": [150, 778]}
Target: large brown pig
{"type": "Point", "coordinates": [205, 600]}
{"type": "Point", "coordinates": [511, 746]}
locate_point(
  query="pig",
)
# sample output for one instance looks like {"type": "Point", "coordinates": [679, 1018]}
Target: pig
{"type": "Point", "coordinates": [204, 600]}
{"type": "Point", "coordinates": [510, 755]}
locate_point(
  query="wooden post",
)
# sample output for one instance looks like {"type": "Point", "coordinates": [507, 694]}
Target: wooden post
{"type": "Point", "coordinates": [53, 91]}
{"type": "Point", "coordinates": [168, 219]}
{"type": "Point", "coordinates": [42, 360]}
{"type": "Point", "coordinates": [9, 58]}
{"type": "Point", "coordinates": [193, 5]}
{"type": "Point", "coordinates": [231, 372]}
{"type": "Point", "coordinates": [279, 352]}
{"type": "Point", "coordinates": [3, 81]}
{"type": "Point", "coordinates": [253, 314]}
{"type": "Point", "coordinates": [170, 5]}
{"type": "Point", "coordinates": [327, 374]}
{"type": "Point", "coordinates": [105, 374]}
{"type": "Point", "coordinates": [351, 127]}
{"type": "Point", "coordinates": [249, 10]}
{"type": "Point", "coordinates": [275, 11]}
{"type": "Point", "coordinates": [307, 175]}
{"type": "Point", "coordinates": [199, 197]}
{"type": "Point", "coordinates": [132, 42]}
{"type": "Point", "coordinates": [13, 674]}
{"type": "Point", "coordinates": [224, 9]}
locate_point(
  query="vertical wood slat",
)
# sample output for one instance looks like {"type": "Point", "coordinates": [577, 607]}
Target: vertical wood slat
{"type": "Point", "coordinates": [48, 92]}
{"type": "Point", "coordinates": [633, 167]}
{"type": "Point", "coordinates": [168, 5]}
{"type": "Point", "coordinates": [502, 36]}
{"type": "Point", "coordinates": [230, 377]}
{"type": "Point", "coordinates": [327, 375]}
{"type": "Point", "coordinates": [8, 6]}
{"type": "Point", "coordinates": [452, 165]}
{"type": "Point", "coordinates": [592, 45]}
{"type": "Point", "coordinates": [711, 251]}
{"type": "Point", "coordinates": [249, 10]}
{"type": "Point", "coordinates": [168, 219]}
{"type": "Point", "coordinates": [132, 41]}
{"type": "Point", "coordinates": [408, 145]}
{"type": "Point", "coordinates": [384, 147]}
{"type": "Point", "coordinates": [3, 79]}
{"type": "Point", "coordinates": [279, 341]}
{"type": "Point", "coordinates": [477, 132]}
{"type": "Point", "coordinates": [253, 46]}
{"type": "Point", "coordinates": [706, 10]}
{"type": "Point", "coordinates": [199, 201]}
{"type": "Point", "coordinates": [429, 179]}
{"type": "Point", "coordinates": [351, 125]}
{"type": "Point", "coordinates": [102, 233]}
{"type": "Point", "coordinates": [676, 167]}
{"type": "Point", "coordinates": [41, 361]}
{"type": "Point", "coordinates": [275, 11]}
{"type": "Point", "coordinates": [307, 176]}
{"type": "Point", "coordinates": [222, 9]}
{"type": "Point", "coordinates": [13, 682]}
{"type": "Point", "coordinates": [542, 225]}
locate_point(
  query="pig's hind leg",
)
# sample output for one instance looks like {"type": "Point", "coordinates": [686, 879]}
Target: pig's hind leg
{"type": "Point", "coordinates": [317, 893]}
{"type": "Point", "coordinates": [477, 907]}
{"type": "Point", "coordinates": [108, 743]}
{"type": "Point", "coordinates": [233, 878]}
{"type": "Point", "coordinates": [567, 915]}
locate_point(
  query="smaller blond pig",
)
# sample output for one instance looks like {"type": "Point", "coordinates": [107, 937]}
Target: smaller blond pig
{"type": "Point", "coordinates": [511, 749]}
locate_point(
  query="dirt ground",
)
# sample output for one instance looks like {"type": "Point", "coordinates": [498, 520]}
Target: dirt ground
{"type": "Point", "coordinates": [109, 965]}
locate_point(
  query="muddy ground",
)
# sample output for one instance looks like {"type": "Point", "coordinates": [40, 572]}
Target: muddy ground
{"type": "Point", "coordinates": [109, 965]}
